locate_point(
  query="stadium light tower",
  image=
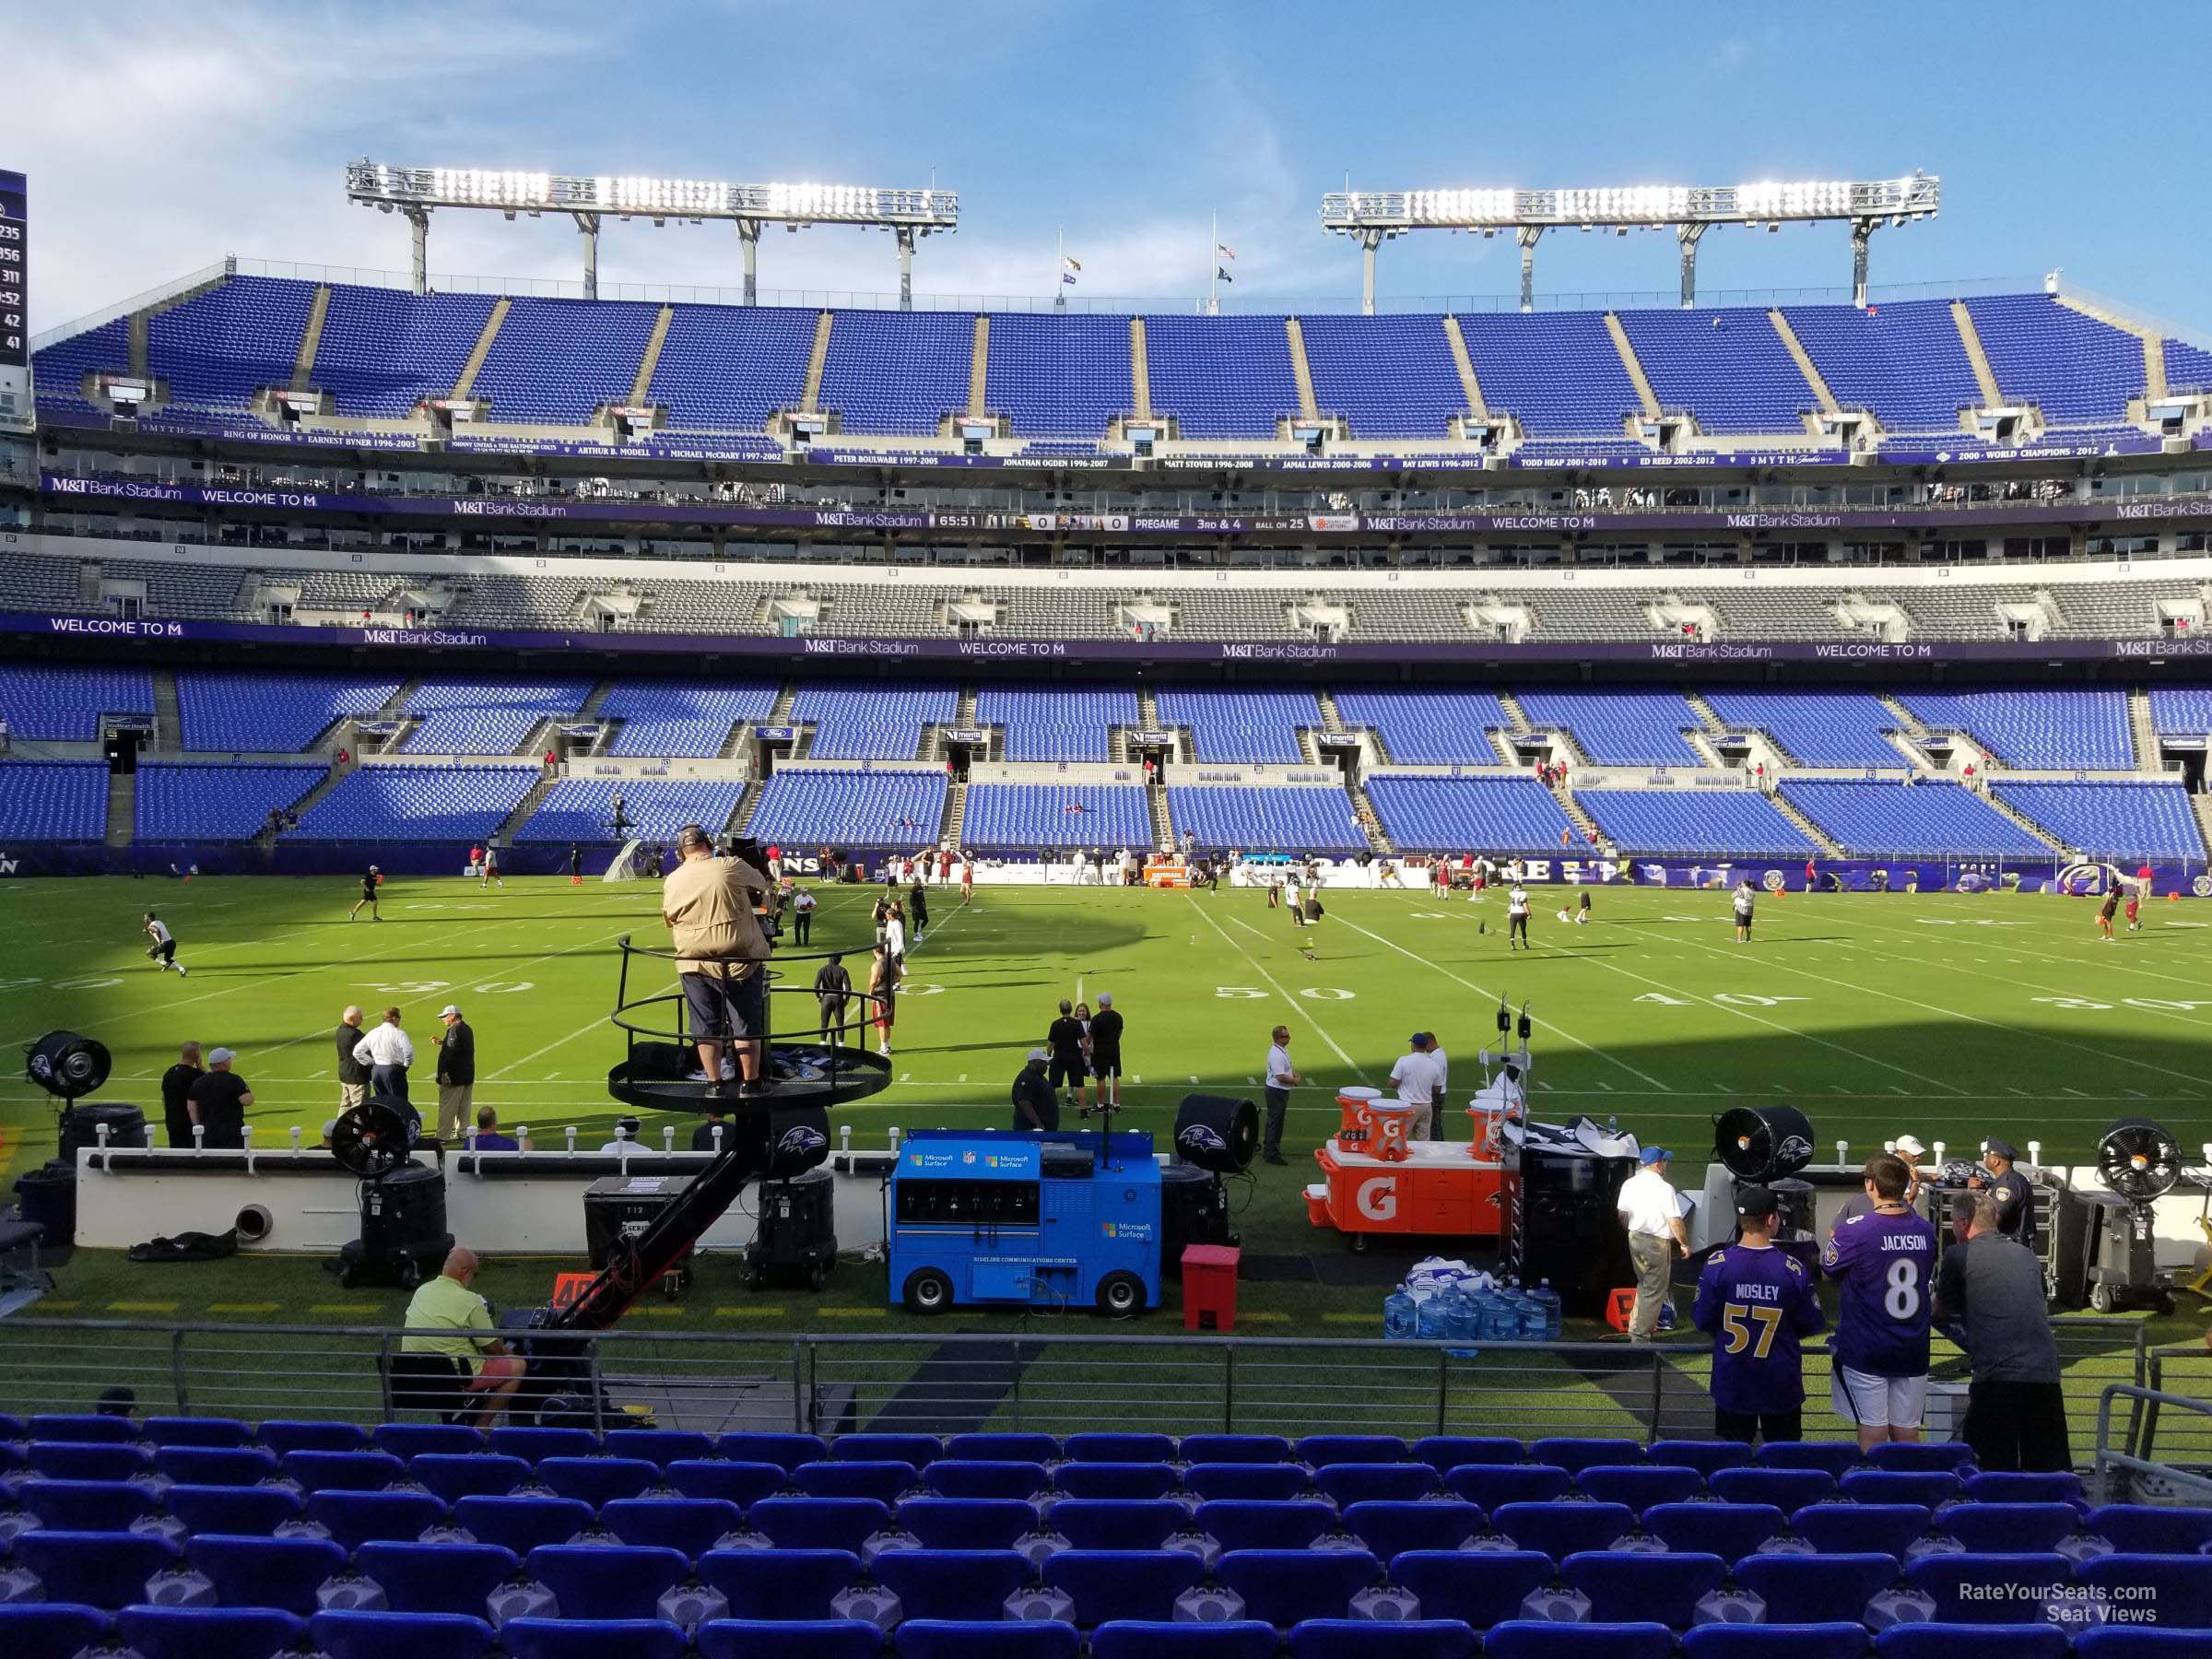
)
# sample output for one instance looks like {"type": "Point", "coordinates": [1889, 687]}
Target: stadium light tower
{"type": "Point", "coordinates": [1372, 218]}
{"type": "Point", "coordinates": [416, 191]}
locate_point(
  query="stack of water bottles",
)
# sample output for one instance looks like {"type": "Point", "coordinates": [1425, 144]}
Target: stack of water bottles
{"type": "Point", "coordinates": [1446, 1300]}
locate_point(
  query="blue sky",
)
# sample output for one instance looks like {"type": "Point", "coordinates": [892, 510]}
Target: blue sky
{"type": "Point", "coordinates": [160, 137]}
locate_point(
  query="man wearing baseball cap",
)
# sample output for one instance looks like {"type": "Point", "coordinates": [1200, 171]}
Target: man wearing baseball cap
{"type": "Point", "coordinates": [1757, 1302]}
{"type": "Point", "coordinates": [712, 907]}
{"type": "Point", "coordinates": [1652, 1211]}
{"type": "Point", "coordinates": [2014, 1196]}
{"type": "Point", "coordinates": [1907, 1150]}
{"type": "Point", "coordinates": [1415, 1073]}
{"type": "Point", "coordinates": [218, 1103]}
{"type": "Point", "coordinates": [457, 1073]}
{"type": "Point", "coordinates": [1036, 1105]}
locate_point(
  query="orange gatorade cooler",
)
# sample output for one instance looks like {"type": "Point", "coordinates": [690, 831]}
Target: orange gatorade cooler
{"type": "Point", "coordinates": [1392, 1131]}
{"type": "Point", "coordinates": [1357, 1126]}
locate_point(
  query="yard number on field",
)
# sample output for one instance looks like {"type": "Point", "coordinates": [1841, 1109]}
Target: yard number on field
{"type": "Point", "coordinates": [2150, 1005]}
{"type": "Point", "coordinates": [1311, 992]}
{"type": "Point", "coordinates": [1727, 999]}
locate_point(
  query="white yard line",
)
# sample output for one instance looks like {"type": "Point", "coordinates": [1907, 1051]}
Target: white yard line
{"type": "Point", "coordinates": [1297, 1007]}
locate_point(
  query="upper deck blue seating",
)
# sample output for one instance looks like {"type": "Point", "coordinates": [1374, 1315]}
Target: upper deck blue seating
{"type": "Point", "coordinates": [582, 809]}
{"type": "Point", "coordinates": [1019, 817]}
{"type": "Point", "coordinates": [1221, 377]}
{"type": "Point", "coordinates": [1388, 376]}
{"type": "Point", "coordinates": [724, 366]}
{"type": "Point", "coordinates": [1728, 367]}
{"type": "Point", "coordinates": [1265, 819]}
{"type": "Point", "coordinates": [1923, 821]}
{"type": "Point", "coordinates": [1558, 371]}
{"type": "Point", "coordinates": [1059, 373]}
{"type": "Point", "coordinates": [2073, 367]}
{"type": "Point", "coordinates": [382, 351]}
{"type": "Point", "coordinates": [216, 350]}
{"type": "Point", "coordinates": [682, 718]}
{"type": "Point", "coordinates": [1459, 814]}
{"type": "Point", "coordinates": [898, 373]}
{"type": "Point", "coordinates": [558, 360]}
{"type": "Point", "coordinates": [2035, 726]}
{"type": "Point", "coordinates": [1429, 729]}
{"type": "Point", "coordinates": [248, 710]}
{"type": "Point", "coordinates": [1903, 362]}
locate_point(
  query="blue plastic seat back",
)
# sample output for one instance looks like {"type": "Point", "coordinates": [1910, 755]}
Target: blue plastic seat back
{"type": "Point", "coordinates": [592, 1639]}
{"type": "Point", "coordinates": [197, 1431]}
{"type": "Point", "coordinates": [437, 1578]}
{"type": "Point", "coordinates": [2152, 1528]}
{"type": "Point", "coordinates": [354, 1519]}
{"type": "Point", "coordinates": [962, 1478]}
{"type": "Point", "coordinates": [765, 1639]}
{"type": "Point", "coordinates": [882, 1480]}
{"type": "Point", "coordinates": [1212, 1448]}
{"type": "Point", "coordinates": [1788, 1490]}
{"type": "Point", "coordinates": [1284, 1587]}
{"type": "Point", "coordinates": [598, 1480]}
{"type": "Point", "coordinates": [344, 1471]}
{"type": "Point", "coordinates": [1818, 1589]}
{"type": "Point", "coordinates": [1120, 1523]}
{"type": "Point", "coordinates": [1622, 1585]}
{"type": "Point", "coordinates": [939, 1639]}
{"type": "Point", "coordinates": [2179, 1587]}
{"type": "Point", "coordinates": [787, 1451]}
{"type": "Point", "coordinates": [1559, 1530]}
{"type": "Point", "coordinates": [693, 1526]}
{"type": "Point", "coordinates": [204, 1633]}
{"type": "Point", "coordinates": [412, 1440]}
{"type": "Point", "coordinates": [1862, 1528]}
{"type": "Point", "coordinates": [818, 1523]}
{"type": "Point", "coordinates": [265, 1572]}
{"type": "Point", "coordinates": [85, 1427]}
{"type": "Point", "coordinates": [608, 1580]}
{"type": "Point", "coordinates": [455, 1475]}
{"type": "Point", "coordinates": [1955, 1455]}
{"type": "Point", "coordinates": [534, 1445]}
{"type": "Point", "coordinates": [998, 1447]}
{"type": "Point", "coordinates": [1445, 1453]}
{"type": "Point", "coordinates": [1318, 1450]}
{"type": "Point", "coordinates": [1835, 1458]}
{"type": "Point", "coordinates": [1491, 1486]}
{"type": "Point", "coordinates": [283, 1435]}
{"type": "Point", "coordinates": [1988, 1589]}
{"type": "Point", "coordinates": [86, 1505]}
{"type": "Point", "coordinates": [1777, 1641]}
{"type": "Point", "coordinates": [1640, 1486]}
{"type": "Point", "coordinates": [1251, 1482]}
{"type": "Point", "coordinates": [743, 1484]}
{"type": "Point", "coordinates": [218, 1465]}
{"type": "Point", "coordinates": [1366, 1639]}
{"type": "Point", "coordinates": [1707, 1457]}
{"type": "Point", "coordinates": [1477, 1590]}
{"type": "Point", "coordinates": [1105, 1446]}
{"type": "Point", "coordinates": [967, 1522]}
{"type": "Point", "coordinates": [1997, 1640]}
{"type": "Point", "coordinates": [87, 1460]}
{"type": "Point", "coordinates": [1374, 1482]}
{"type": "Point", "coordinates": [49, 1629]}
{"type": "Point", "coordinates": [919, 1449]}
{"type": "Point", "coordinates": [1145, 1639]}
{"type": "Point", "coordinates": [522, 1523]}
{"type": "Point", "coordinates": [953, 1584]}
{"type": "Point", "coordinates": [357, 1635]}
{"type": "Point", "coordinates": [1532, 1639]}
{"type": "Point", "coordinates": [94, 1568]}
{"type": "Point", "coordinates": [2014, 1486]}
{"type": "Point", "coordinates": [658, 1446]}
{"type": "Point", "coordinates": [1123, 1583]}
{"type": "Point", "coordinates": [1390, 1529]}
{"type": "Point", "coordinates": [1933, 1487]}
{"type": "Point", "coordinates": [779, 1584]}
{"type": "Point", "coordinates": [1576, 1453]}
{"type": "Point", "coordinates": [2000, 1527]}
{"type": "Point", "coordinates": [259, 1510]}
{"type": "Point", "coordinates": [1728, 1530]}
{"type": "Point", "coordinates": [2138, 1642]}
{"type": "Point", "coordinates": [1120, 1479]}
{"type": "Point", "coordinates": [1235, 1524]}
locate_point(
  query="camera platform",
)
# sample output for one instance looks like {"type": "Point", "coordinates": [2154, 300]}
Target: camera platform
{"type": "Point", "coordinates": [662, 1077]}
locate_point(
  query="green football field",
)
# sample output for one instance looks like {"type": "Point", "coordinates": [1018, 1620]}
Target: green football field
{"type": "Point", "coordinates": [1952, 1017]}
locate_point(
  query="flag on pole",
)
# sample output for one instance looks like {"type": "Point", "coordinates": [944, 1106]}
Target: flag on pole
{"type": "Point", "coordinates": [1223, 251]}
{"type": "Point", "coordinates": [1222, 276]}
{"type": "Point", "coordinates": [1069, 267]}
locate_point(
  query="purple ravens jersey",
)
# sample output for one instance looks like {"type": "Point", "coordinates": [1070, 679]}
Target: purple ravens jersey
{"type": "Point", "coordinates": [1756, 1303]}
{"type": "Point", "coordinates": [1888, 1266]}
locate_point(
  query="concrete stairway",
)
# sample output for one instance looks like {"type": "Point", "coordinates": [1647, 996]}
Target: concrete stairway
{"type": "Point", "coordinates": [1140, 370]}
{"type": "Point", "coordinates": [2200, 807]}
{"type": "Point", "coordinates": [530, 802]}
{"type": "Point", "coordinates": [1704, 712]}
{"type": "Point", "coordinates": [1985, 377]}
{"type": "Point", "coordinates": [1148, 710]}
{"type": "Point", "coordinates": [169, 718]}
{"type": "Point", "coordinates": [2154, 343]}
{"type": "Point", "coordinates": [1585, 826]}
{"type": "Point", "coordinates": [1300, 369]}
{"type": "Point", "coordinates": [1644, 394]}
{"type": "Point", "coordinates": [1370, 822]}
{"type": "Point", "coordinates": [1332, 720]}
{"type": "Point", "coordinates": [1798, 355]}
{"type": "Point", "coordinates": [475, 366]}
{"type": "Point", "coordinates": [1155, 809]}
{"type": "Point", "coordinates": [778, 712]}
{"type": "Point", "coordinates": [956, 813]}
{"type": "Point", "coordinates": [2138, 722]}
{"type": "Point", "coordinates": [123, 808]}
{"type": "Point", "coordinates": [963, 717]}
{"type": "Point", "coordinates": [810, 396]}
{"type": "Point", "coordinates": [311, 339]}
{"type": "Point", "coordinates": [979, 367]}
{"type": "Point", "coordinates": [2027, 823]}
{"type": "Point", "coordinates": [748, 804]}
{"type": "Point", "coordinates": [1515, 713]}
{"type": "Point", "coordinates": [1465, 363]}
{"type": "Point", "coordinates": [1829, 848]}
{"type": "Point", "coordinates": [643, 384]}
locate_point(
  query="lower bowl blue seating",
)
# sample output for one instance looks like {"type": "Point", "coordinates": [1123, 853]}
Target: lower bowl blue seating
{"type": "Point", "coordinates": [692, 1525]}
{"type": "Point", "coordinates": [591, 1639]}
{"type": "Point", "coordinates": [1861, 1528]}
{"type": "Point", "coordinates": [2011, 1641]}
{"type": "Point", "coordinates": [523, 1522]}
{"type": "Point", "coordinates": [197, 1431]}
{"type": "Point", "coordinates": [1235, 1524]}
{"type": "Point", "coordinates": [1531, 1638]}
{"type": "Point", "coordinates": [816, 1639]}
{"type": "Point", "coordinates": [1817, 1589]}
{"type": "Point", "coordinates": [1494, 1486]}
{"type": "Point", "coordinates": [436, 1578]}
{"type": "Point", "coordinates": [779, 1584]}
{"type": "Point", "coordinates": [2152, 1528]}
{"type": "Point", "coordinates": [1003, 1447]}
{"type": "Point", "coordinates": [353, 1519]}
{"type": "Point", "coordinates": [743, 1484]}
{"type": "Point", "coordinates": [86, 1505]}
{"type": "Point", "coordinates": [1640, 1486]}
{"type": "Point", "coordinates": [880, 1478]}
{"type": "Point", "coordinates": [1286, 1587]}
{"type": "Point", "coordinates": [967, 1522]}
{"type": "Point", "coordinates": [1392, 1528]}
{"type": "Point", "coordinates": [952, 1583]}
{"type": "Point", "coordinates": [1251, 1482]}
{"type": "Point", "coordinates": [1988, 1589]}
{"type": "Point", "coordinates": [1776, 1642]}
{"type": "Point", "coordinates": [1108, 1446]}
{"type": "Point", "coordinates": [1121, 1479]}
{"type": "Point", "coordinates": [1147, 1639]}
{"type": "Point", "coordinates": [598, 1480]}
{"type": "Point", "coordinates": [1121, 1523]}
{"type": "Point", "coordinates": [1366, 1639]}
{"type": "Point", "coordinates": [937, 1639]}
{"type": "Point", "coordinates": [455, 1475]}
{"type": "Point", "coordinates": [197, 1633]}
{"type": "Point", "coordinates": [53, 1629]}
{"type": "Point", "coordinates": [259, 1510]}
{"type": "Point", "coordinates": [1480, 1591]}
{"type": "Point", "coordinates": [1211, 1447]}
{"type": "Point", "coordinates": [1559, 1530]}
{"type": "Point", "coordinates": [1731, 1531]}
{"type": "Point", "coordinates": [93, 1569]}
{"type": "Point", "coordinates": [362, 1635]}
{"type": "Point", "coordinates": [608, 1580]}
{"type": "Point", "coordinates": [1109, 1584]}
{"type": "Point", "coordinates": [818, 1523]}
{"type": "Point", "coordinates": [962, 1478]}
{"type": "Point", "coordinates": [1621, 1585]}
{"type": "Point", "coordinates": [1982, 1528]}
{"type": "Point", "coordinates": [787, 1451]}
{"type": "Point", "coordinates": [265, 1572]}
{"type": "Point", "coordinates": [1445, 1453]}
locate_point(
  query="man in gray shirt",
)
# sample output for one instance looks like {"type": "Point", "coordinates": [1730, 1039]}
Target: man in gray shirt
{"type": "Point", "coordinates": [1989, 1297]}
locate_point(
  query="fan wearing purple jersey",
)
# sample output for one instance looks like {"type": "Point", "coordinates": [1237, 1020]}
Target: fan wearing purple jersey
{"type": "Point", "coordinates": [1886, 1259]}
{"type": "Point", "coordinates": [1757, 1302]}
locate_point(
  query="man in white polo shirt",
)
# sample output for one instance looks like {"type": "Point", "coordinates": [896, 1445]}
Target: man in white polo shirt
{"type": "Point", "coordinates": [1415, 1074]}
{"type": "Point", "coordinates": [1652, 1211]}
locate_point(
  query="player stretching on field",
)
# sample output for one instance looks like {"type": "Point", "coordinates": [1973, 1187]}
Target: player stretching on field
{"type": "Point", "coordinates": [164, 946]}
{"type": "Point", "coordinates": [369, 887]}
{"type": "Point", "coordinates": [2104, 914]}
{"type": "Point", "coordinates": [1516, 918]}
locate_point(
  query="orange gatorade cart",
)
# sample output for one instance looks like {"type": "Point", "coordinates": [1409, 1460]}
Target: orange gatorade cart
{"type": "Point", "coordinates": [1374, 1178]}
{"type": "Point", "coordinates": [1162, 871]}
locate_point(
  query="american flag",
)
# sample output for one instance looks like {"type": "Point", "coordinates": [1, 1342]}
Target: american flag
{"type": "Point", "coordinates": [1223, 251]}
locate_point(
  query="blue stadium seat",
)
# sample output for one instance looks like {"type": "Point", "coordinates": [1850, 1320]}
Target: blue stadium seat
{"type": "Point", "coordinates": [659, 1447]}
{"type": "Point", "coordinates": [1998, 1528]}
{"type": "Point", "coordinates": [209, 1632]}
{"type": "Point", "coordinates": [1777, 1641]}
{"type": "Point", "coordinates": [592, 1639]}
{"type": "Point", "coordinates": [1559, 1530]}
{"type": "Point", "coordinates": [787, 1451]}
{"type": "Point", "coordinates": [1531, 1638]}
{"type": "Point", "coordinates": [818, 1523]}
{"type": "Point", "coordinates": [2179, 1587]}
{"type": "Point", "coordinates": [1147, 1639]}
{"type": "Point", "coordinates": [357, 1635]}
{"type": "Point", "coordinates": [1235, 1524]}
{"type": "Point", "coordinates": [1391, 1529]}
{"type": "Point", "coordinates": [608, 1580]}
{"type": "Point", "coordinates": [1111, 1446]}
{"type": "Point", "coordinates": [265, 1572]}
{"type": "Point", "coordinates": [743, 1484]}
{"type": "Point", "coordinates": [286, 1435]}
{"type": "Point", "coordinates": [522, 1523]}
{"type": "Point", "coordinates": [1640, 1486]}
{"type": "Point", "coordinates": [1250, 1482]}
{"type": "Point", "coordinates": [812, 1639]}
{"type": "Point", "coordinates": [1407, 1639]}
{"type": "Point", "coordinates": [1316, 1451]}
{"type": "Point", "coordinates": [411, 1440]}
{"type": "Point", "coordinates": [1198, 1448]}
{"type": "Point", "coordinates": [2152, 1528]}
{"type": "Point", "coordinates": [1933, 1488]}
{"type": "Point", "coordinates": [86, 1505]}
{"type": "Point", "coordinates": [256, 1510]}
{"type": "Point", "coordinates": [197, 1431]}
{"type": "Point", "coordinates": [960, 1477]}
{"type": "Point", "coordinates": [937, 1639]}
{"type": "Point", "coordinates": [967, 1522]}
{"type": "Point", "coordinates": [1286, 1587]}
{"type": "Point", "coordinates": [1121, 1523]}
{"type": "Point", "coordinates": [1707, 1457]}
{"type": "Point", "coordinates": [1988, 1589]}
{"type": "Point", "coordinates": [344, 1471]}
{"type": "Point", "coordinates": [692, 1525]}
{"type": "Point", "coordinates": [881, 1479]}
{"type": "Point", "coordinates": [1817, 1589]}
{"type": "Point", "coordinates": [1445, 1453]}
{"type": "Point", "coordinates": [2138, 1642]}
{"type": "Point", "coordinates": [455, 1475]}
{"type": "Point", "coordinates": [534, 1445]}
{"type": "Point", "coordinates": [93, 1569]}
{"type": "Point", "coordinates": [1003, 1447]}
{"type": "Point", "coordinates": [86, 1460]}
{"type": "Point", "coordinates": [1954, 1455]}
{"type": "Point", "coordinates": [1348, 1483]}
{"type": "Point", "coordinates": [1119, 1583]}
{"type": "Point", "coordinates": [782, 1585]}
{"type": "Point", "coordinates": [952, 1583]}
{"type": "Point", "coordinates": [1478, 1590]}
{"type": "Point", "coordinates": [354, 1519]}
{"type": "Point", "coordinates": [1728, 1530]}
{"type": "Point", "coordinates": [1664, 1587]}
{"type": "Point", "coordinates": [1837, 1457]}
{"type": "Point", "coordinates": [436, 1578]}
{"type": "Point", "coordinates": [60, 1631]}
{"type": "Point", "coordinates": [1997, 1640]}
{"type": "Point", "coordinates": [1861, 1528]}
{"type": "Point", "coordinates": [1494, 1486]}
{"type": "Point", "coordinates": [598, 1480]}
{"type": "Point", "coordinates": [2014, 1486]}
{"type": "Point", "coordinates": [1125, 1480]}
{"type": "Point", "coordinates": [1787, 1490]}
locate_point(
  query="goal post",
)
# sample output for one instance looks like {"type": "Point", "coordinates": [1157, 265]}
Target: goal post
{"type": "Point", "coordinates": [627, 862]}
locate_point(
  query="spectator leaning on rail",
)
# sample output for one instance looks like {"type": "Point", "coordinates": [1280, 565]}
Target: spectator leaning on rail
{"type": "Point", "coordinates": [448, 1304]}
{"type": "Point", "coordinates": [709, 904]}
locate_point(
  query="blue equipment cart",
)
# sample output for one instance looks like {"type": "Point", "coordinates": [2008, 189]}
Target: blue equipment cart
{"type": "Point", "coordinates": [1043, 1218]}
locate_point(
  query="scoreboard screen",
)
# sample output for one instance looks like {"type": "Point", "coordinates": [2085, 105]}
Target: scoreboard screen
{"type": "Point", "coordinates": [14, 278]}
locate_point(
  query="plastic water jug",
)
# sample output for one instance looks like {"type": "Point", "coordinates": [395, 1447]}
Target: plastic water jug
{"type": "Point", "coordinates": [1552, 1322]}
{"type": "Point", "coordinates": [1400, 1316]}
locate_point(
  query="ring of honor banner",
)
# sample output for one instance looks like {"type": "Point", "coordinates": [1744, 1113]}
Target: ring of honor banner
{"type": "Point", "coordinates": [15, 300]}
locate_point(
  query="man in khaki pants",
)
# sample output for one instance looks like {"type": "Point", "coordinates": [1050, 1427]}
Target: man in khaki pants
{"type": "Point", "coordinates": [456, 1073]}
{"type": "Point", "coordinates": [1652, 1211]}
{"type": "Point", "coordinates": [353, 1074]}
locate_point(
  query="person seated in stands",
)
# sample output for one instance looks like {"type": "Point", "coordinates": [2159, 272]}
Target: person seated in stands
{"type": "Point", "coordinates": [626, 1138]}
{"type": "Point", "coordinates": [447, 1318]}
{"type": "Point", "coordinates": [488, 1136]}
